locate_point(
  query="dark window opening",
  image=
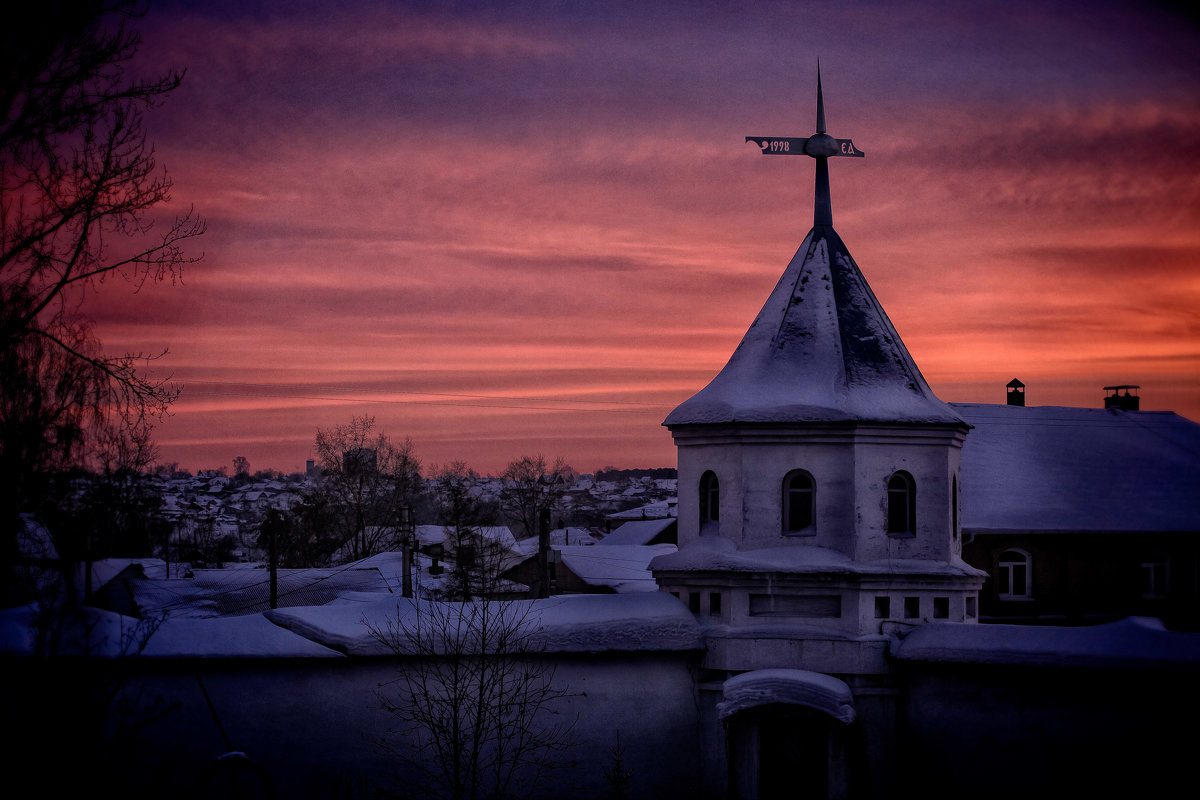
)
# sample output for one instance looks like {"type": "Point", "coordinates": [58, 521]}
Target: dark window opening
{"type": "Point", "coordinates": [710, 497]}
{"type": "Point", "coordinates": [972, 612]}
{"type": "Point", "coordinates": [941, 608]}
{"type": "Point", "coordinates": [798, 502]}
{"type": "Point", "coordinates": [954, 507]}
{"type": "Point", "coordinates": [694, 602]}
{"type": "Point", "coordinates": [714, 603]}
{"type": "Point", "coordinates": [883, 607]}
{"type": "Point", "coordinates": [912, 607]}
{"type": "Point", "coordinates": [902, 504]}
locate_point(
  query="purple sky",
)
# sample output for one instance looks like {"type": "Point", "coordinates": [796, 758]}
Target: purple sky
{"type": "Point", "coordinates": [534, 228]}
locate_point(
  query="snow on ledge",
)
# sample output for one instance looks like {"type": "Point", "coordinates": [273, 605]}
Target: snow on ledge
{"type": "Point", "coordinates": [650, 621]}
{"type": "Point", "coordinates": [793, 686]}
{"type": "Point", "coordinates": [1136, 642]}
{"type": "Point", "coordinates": [716, 553]}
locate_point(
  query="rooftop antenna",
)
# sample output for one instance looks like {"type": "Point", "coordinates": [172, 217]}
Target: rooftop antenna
{"type": "Point", "coordinates": [820, 146]}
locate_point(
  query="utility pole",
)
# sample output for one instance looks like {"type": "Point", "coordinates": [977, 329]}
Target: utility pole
{"type": "Point", "coordinates": [273, 556]}
{"type": "Point", "coordinates": [544, 553]}
{"type": "Point", "coordinates": [407, 534]}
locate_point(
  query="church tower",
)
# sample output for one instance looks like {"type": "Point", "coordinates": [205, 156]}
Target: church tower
{"type": "Point", "coordinates": [818, 472]}
{"type": "Point", "coordinates": [819, 517]}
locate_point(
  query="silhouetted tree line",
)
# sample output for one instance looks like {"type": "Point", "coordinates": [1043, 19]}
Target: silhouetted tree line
{"type": "Point", "coordinates": [657, 473]}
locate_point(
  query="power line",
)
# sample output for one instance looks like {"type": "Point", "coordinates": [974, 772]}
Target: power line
{"type": "Point", "coordinates": [293, 391]}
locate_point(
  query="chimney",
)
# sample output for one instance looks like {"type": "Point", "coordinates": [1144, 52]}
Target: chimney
{"type": "Point", "coordinates": [1016, 393]}
{"type": "Point", "coordinates": [1122, 398]}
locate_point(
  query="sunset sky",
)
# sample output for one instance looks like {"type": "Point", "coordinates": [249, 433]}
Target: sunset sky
{"type": "Point", "coordinates": [525, 228]}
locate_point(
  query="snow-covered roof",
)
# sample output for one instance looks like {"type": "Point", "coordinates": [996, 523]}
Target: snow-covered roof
{"type": "Point", "coordinates": [822, 349]}
{"type": "Point", "coordinates": [639, 531]}
{"type": "Point", "coordinates": [564, 623]}
{"type": "Point", "coordinates": [1049, 468]}
{"type": "Point", "coordinates": [234, 592]}
{"type": "Point", "coordinates": [1129, 643]}
{"type": "Point", "coordinates": [251, 636]}
{"type": "Point", "coordinates": [716, 553]}
{"type": "Point", "coordinates": [622, 568]}
{"type": "Point", "coordinates": [659, 509]}
{"type": "Point", "coordinates": [528, 547]}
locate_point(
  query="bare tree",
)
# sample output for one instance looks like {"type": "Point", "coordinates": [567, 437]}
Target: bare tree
{"type": "Point", "coordinates": [301, 535]}
{"type": "Point", "coordinates": [369, 479]}
{"type": "Point", "coordinates": [530, 495]}
{"type": "Point", "coordinates": [78, 181]}
{"type": "Point", "coordinates": [241, 467]}
{"type": "Point", "coordinates": [475, 697]}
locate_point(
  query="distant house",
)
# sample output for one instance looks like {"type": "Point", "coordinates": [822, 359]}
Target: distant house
{"type": "Point", "coordinates": [660, 509]}
{"type": "Point", "coordinates": [589, 568]}
{"type": "Point", "coordinates": [1082, 514]}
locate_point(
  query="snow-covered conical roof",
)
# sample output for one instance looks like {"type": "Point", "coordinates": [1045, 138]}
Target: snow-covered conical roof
{"type": "Point", "coordinates": [821, 350]}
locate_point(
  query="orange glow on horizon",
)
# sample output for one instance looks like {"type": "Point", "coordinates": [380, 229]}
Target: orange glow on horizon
{"type": "Point", "coordinates": [505, 233]}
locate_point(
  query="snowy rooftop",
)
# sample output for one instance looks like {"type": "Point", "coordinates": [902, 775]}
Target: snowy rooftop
{"type": "Point", "coordinates": [566, 623]}
{"type": "Point", "coordinates": [622, 568]}
{"type": "Point", "coordinates": [1051, 468]}
{"type": "Point", "coordinates": [1129, 643]}
{"type": "Point", "coordinates": [637, 532]}
{"type": "Point", "coordinates": [710, 553]}
{"type": "Point", "coordinates": [822, 349]}
{"type": "Point", "coordinates": [233, 592]}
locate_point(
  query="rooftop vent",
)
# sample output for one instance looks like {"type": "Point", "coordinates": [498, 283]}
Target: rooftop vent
{"type": "Point", "coordinates": [1122, 397]}
{"type": "Point", "coordinates": [1016, 393]}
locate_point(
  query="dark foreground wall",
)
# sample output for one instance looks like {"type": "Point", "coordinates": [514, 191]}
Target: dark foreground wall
{"type": "Point", "coordinates": [311, 727]}
{"type": "Point", "coordinates": [991, 731]}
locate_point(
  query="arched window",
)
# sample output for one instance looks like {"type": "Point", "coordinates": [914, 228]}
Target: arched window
{"type": "Point", "coordinates": [799, 496]}
{"type": "Point", "coordinates": [1012, 575]}
{"type": "Point", "coordinates": [710, 497]}
{"type": "Point", "coordinates": [902, 504]}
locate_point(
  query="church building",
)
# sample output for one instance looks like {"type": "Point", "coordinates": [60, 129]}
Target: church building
{"type": "Point", "coordinates": [820, 523]}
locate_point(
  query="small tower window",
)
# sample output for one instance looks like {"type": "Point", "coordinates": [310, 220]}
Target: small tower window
{"type": "Point", "coordinates": [710, 497]}
{"type": "Point", "coordinates": [799, 494]}
{"type": "Point", "coordinates": [902, 504]}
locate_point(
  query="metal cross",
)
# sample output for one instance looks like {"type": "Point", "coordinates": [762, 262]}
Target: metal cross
{"type": "Point", "coordinates": [820, 146]}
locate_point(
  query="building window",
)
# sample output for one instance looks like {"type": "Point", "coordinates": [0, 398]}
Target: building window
{"type": "Point", "coordinates": [694, 602]}
{"type": "Point", "coordinates": [972, 611]}
{"type": "Point", "coordinates": [902, 504]}
{"type": "Point", "coordinates": [1012, 575]}
{"type": "Point", "coordinates": [799, 495]}
{"type": "Point", "coordinates": [941, 608]}
{"type": "Point", "coordinates": [1155, 577]}
{"type": "Point", "coordinates": [883, 607]}
{"type": "Point", "coordinates": [714, 603]}
{"type": "Point", "coordinates": [912, 607]}
{"type": "Point", "coordinates": [710, 497]}
{"type": "Point", "coordinates": [954, 507]}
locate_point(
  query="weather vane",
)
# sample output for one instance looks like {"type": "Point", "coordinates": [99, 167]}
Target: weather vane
{"type": "Point", "coordinates": [820, 146]}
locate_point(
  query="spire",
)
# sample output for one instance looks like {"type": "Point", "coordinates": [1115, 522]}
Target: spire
{"type": "Point", "coordinates": [820, 146]}
{"type": "Point", "coordinates": [822, 349]}
{"type": "Point", "coordinates": [820, 102]}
